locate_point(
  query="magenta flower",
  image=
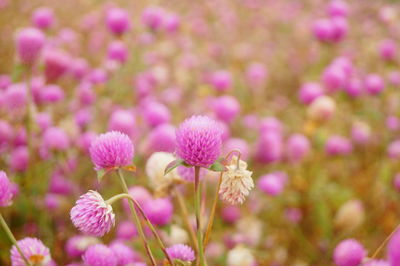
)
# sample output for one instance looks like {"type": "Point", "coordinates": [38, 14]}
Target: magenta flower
{"type": "Point", "coordinates": [6, 194]}
{"type": "Point", "coordinates": [198, 141]}
{"type": "Point", "coordinates": [112, 149]}
{"type": "Point", "coordinates": [99, 255]}
{"type": "Point", "coordinates": [43, 18]}
{"type": "Point", "coordinates": [92, 215]}
{"type": "Point", "coordinates": [29, 44]}
{"type": "Point", "coordinates": [34, 251]}
{"type": "Point", "coordinates": [123, 253]}
{"type": "Point", "coordinates": [117, 20]}
{"type": "Point", "coordinates": [159, 211]}
{"type": "Point", "coordinates": [349, 253]}
{"type": "Point", "coordinates": [181, 252]}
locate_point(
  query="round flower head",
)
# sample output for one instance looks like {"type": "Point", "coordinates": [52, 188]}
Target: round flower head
{"type": "Point", "coordinates": [392, 123]}
{"type": "Point", "coordinates": [221, 80]}
{"type": "Point", "coordinates": [57, 64]}
{"type": "Point", "coordinates": [29, 44]}
{"type": "Point", "coordinates": [161, 138]}
{"type": "Point", "coordinates": [349, 253]}
{"type": "Point", "coordinates": [298, 146]}
{"type": "Point", "coordinates": [5, 190]}
{"type": "Point", "coordinates": [55, 138]}
{"type": "Point", "coordinates": [393, 251]}
{"type": "Point", "coordinates": [309, 92]}
{"type": "Point", "coordinates": [374, 84]}
{"type": "Point", "coordinates": [16, 96]}
{"type": "Point", "coordinates": [272, 184]}
{"type": "Point", "coordinates": [112, 149]}
{"type": "Point", "coordinates": [226, 108]}
{"type": "Point", "coordinates": [92, 215]}
{"type": "Point", "coordinates": [156, 114]}
{"type": "Point", "coordinates": [236, 182]}
{"type": "Point", "coordinates": [19, 159]}
{"type": "Point", "coordinates": [123, 121]}
{"type": "Point", "coordinates": [117, 51]}
{"type": "Point", "coordinates": [256, 74]}
{"type": "Point", "coordinates": [350, 215]}
{"type": "Point", "coordinates": [155, 168]}
{"type": "Point", "coordinates": [387, 49]}
{"type": "Point", "coordinates": [275, 148]}
{"type": "Point", "coordinates": [33, 249]}
{"type": "Point", "coordinates": [338, 8]}
{"type": "Point", "coordinates": [43, 18]}
{"type": "Point", "coordinates": [117, 21]}
{"type": "Point", "coordinates": [181, 252]}
{"type": "Point", "coordinates": [239, 144]}
{"type": "Point", "coordinates": [99, 255]}
{"type": "Point", "coordinates": [198, 141]}
{"type": "Point", "coordinates": [354, 87]}
{"type": "Point", "coordinates": [240, 256]}
{"type": "Point", "coordinates": [322, 108]}
{"type": "Point", "coordinates": [231, 214]}
{"type": "Point", "coordinates": [159, 211]}
{"type": "Point", "coordinates": [153, 17]}
{"type": "Point", "coordinates": [126, 230]}
{"type": "Point", "coordinates": [338, 145]}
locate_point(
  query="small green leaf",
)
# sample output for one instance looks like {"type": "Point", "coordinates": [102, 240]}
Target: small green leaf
{"type": "Point", "coordinates": [218, 167]}
{"type": "Point", "coordinates": [172, 165]}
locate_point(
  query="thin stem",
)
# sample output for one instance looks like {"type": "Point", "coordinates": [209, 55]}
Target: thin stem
{"type": "Point", "coordinates": [29, 125]}
{"type": "Point", "coordinates": [384, 242]}
{"type": "Point", "coordinates": [185, 215]}
{"type": "Point", "coordinates": [212, 215]}
{"type": "Point", "coordinates": [197, 200]}
{"type": "Point", "coordinates": [136, 220]}
{"type": "Point", "coordinates": [12, 239]}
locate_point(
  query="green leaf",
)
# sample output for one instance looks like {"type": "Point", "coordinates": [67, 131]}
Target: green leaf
{"type": "Point", "coordinates": [172, 165]}
{"type": "Point", "coordinates": [218, 167]}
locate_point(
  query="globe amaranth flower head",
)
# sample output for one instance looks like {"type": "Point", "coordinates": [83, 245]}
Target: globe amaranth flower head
{"type": "Point", "coordinates": [6, 193]}
{"type": "Point", "coordinates": [198, 141]}
{"type": "Point", "coordinates": [181, 252]}
{"type": "Point", "coordinates": [349, 252]}
{"type": "Point", "coordinates": [99, 255]}
{"type": "Point", "coordinates": [393, 251]}
{"type": "Point", "coordinates": [236, 182]}
{"type": "Point", "coordinates": [33, 249]}
{"type": "Point", "coordinates": [112, 149]}
{"type": "Point", "coordinates": [92, 215]}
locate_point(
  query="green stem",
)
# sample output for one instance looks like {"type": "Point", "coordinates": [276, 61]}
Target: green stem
{"type": "Point", "coordinates": [197, 200]}
{"type": "Point", "coordinates": [148, 222]}
{"type": "Point", "coordinates": [136, 220]}
{"type": "Point", "coordinates": [12, 239]}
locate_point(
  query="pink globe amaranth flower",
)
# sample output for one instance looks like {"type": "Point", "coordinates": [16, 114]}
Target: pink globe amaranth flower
{"type": "Point", "coordinates": [338, 8]}
{"type": "Point", "coordinates": [52, 201]}
{"type": "Point", "coordinates": [6, 134]}
{"type": "Point", "coordinates": [374, 84]}
{"type": "Point", "coordinates": [153, 17]}
{"type": "Point", "coordinates": [159, 211]}
{"type": "Point", "coordinates": [98, 76]}
{"type": "Point", "coordinates": [231, 214]}
{"type": "Point", "coordinates": [393, 151]}
{"type": "Point", "coordinates": [43, 18]}
{"type": "Point", "coordinates": [334, 78]}
{"type": "Point", "coordinates": [126, 230]}
{"type": "Point", "coordinates": [171, 22]}
{"type": "Point", "coordinates": [16, 96]}
{"type": "Point", "coordinates": [123, 121]}
{"type": "Point", "coordinates": [269, 148]}
{"type": "Point", "coordinates": [124, 254]}
{"type": "Point", "coordinates": [338, 145]}
{"type": "Point", "coordinates": [256, 74]}
{"type": "Point", "coordinates": [340, 28]}
{"type": "Point", "coordinates": [297, 147]}
{"type": "Point", "coordinates": [392, 123]}
{"type": "Point", "coordinates": [360, 133]}
{"type": "Point", "coordinates": [181, 252]}
{"type": "Point", "coordinates": [111, 149]}
{"type": "Point", "coordinates": [221, 80]}
{"type": "Point", "coordinates": [19, 159]}
{"type": "Point", "coordinates": [44, 120]}
{"type": "Point", "coordinates": [6, 193]}
{"type": "Point", "coordinates": [349, 252]}
{"type": "Point", "coordinates": [387, 49]}
{"type": "Point", "coordinates": [309, 92]}
{"type": "Point", "coordinates": [323, 30]}
{"type": "Point", "coordinates": [155, 114]}
{"type": "Point", "coordinates": [99, 255]}
{"type": "Point", "coordinates": [85, 94]}
{"type": "Point", "coordinates": [226, 108]}
{"type": "Point", "coordinates": [83, 117]}
{"type": "Point", "coordinates": [377, 263]}
{"type": "Point", "coordinates": [272, 184]}
{"type": "Point", "coordinates": [161, 138]}
{"type": "Point", "coordinates": [393, 251]}
{"type": "Point", "coordinates": [92, 215]}
{"type": "Point", "coordinates": [394, 78]}
{"type": "Point", "coordinates": [29, 45]}
{"type": "Point", "coordinates": [56, 63]}
{"type": "Point", "coordinates": [20, 138]}
{"type": "Point", "coordinates": [34, 251]}
{"type": "Point", "coordinates": [61, 185]}
{"type": "Point", "coordinates": [354, 87]}
{"type": "Point", "coordinates": [51, 94]}
{"type": "Point", "coordinates": [117, 51]}
{"type": "Point", "coordinates": [238, 144]}
{"type": "Point", "coordinates": [79, 68]}
{"type": "Point", "coordinates": [117, 20]}
{"type": "Point", "coordinates": [55, 138]}
{"type": "Point", "coordinates": [77, 245]}
{"type": "Point", "coordinates": [198, 141]}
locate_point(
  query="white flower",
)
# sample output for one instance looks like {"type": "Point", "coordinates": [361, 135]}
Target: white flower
{"type": "Point", "coordinates": [178, 235]}
{"type": "Point", "coordinates": [240, 256]}
{"type": "Point", "coordinates": [236, 182]}
{"type": "Point", "coordinates": [155, 168]}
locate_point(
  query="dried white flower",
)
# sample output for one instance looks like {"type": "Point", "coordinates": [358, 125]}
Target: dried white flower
{"type": "Point", "coordinates": [240, 256]}
{"type": "Point", "coordinates": [236, 182]}
{"type": "Point", "coordinates": [155, 168]}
